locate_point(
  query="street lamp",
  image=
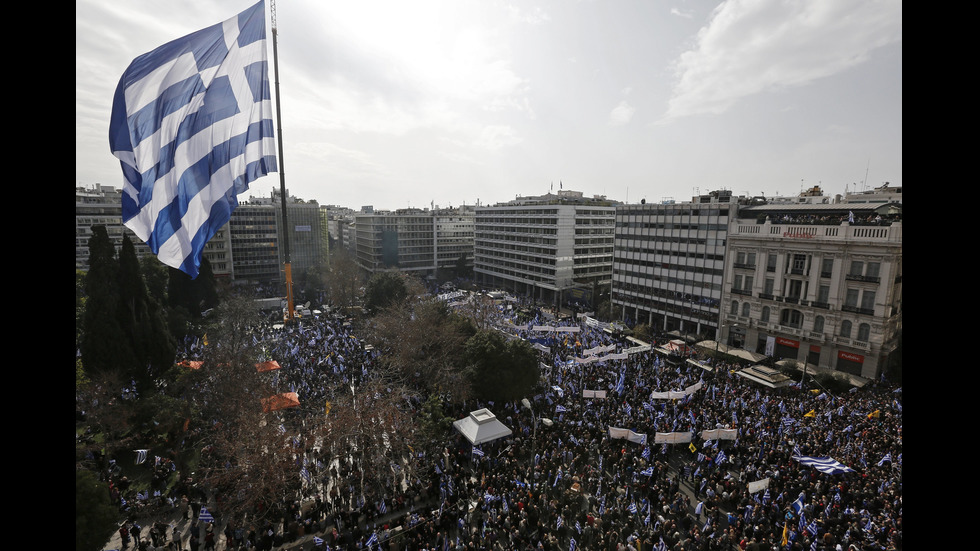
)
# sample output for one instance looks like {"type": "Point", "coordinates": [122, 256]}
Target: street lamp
{"type": "Point", "coordinates": [534, 420]}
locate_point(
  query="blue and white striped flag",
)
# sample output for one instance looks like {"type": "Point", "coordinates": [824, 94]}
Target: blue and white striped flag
{"type": "Point", "coordinates": [192, 126]}
{"type": "Point", "coordinates": [141, 456]}
{"type": "Point", "coordinates": [478, 451]}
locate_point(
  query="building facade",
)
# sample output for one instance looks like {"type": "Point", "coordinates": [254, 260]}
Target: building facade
{"type": "Point", "coordinates": [248, 247]}
{"type": "Point", "coordinates": [102, 205]}
{"type": "Point", "coordinates": [556, 249]}
{"type": "Point", "coordinates": [422, 242]}
{"type": "Point", "coordinates": [820, 284]}
{"type": "Point", "coordinates": [670, 262]}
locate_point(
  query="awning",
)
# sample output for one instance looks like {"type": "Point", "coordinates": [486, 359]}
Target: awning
{"type": "Point", "coordinates": [481, 426]}
{"type": "Point", "coordinates": [765, 376]}
{"type": "Point", "coordinates": [710, 346]}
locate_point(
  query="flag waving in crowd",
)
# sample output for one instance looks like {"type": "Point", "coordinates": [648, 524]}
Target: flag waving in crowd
{"type": "Point", "coordinates": [192, 126]}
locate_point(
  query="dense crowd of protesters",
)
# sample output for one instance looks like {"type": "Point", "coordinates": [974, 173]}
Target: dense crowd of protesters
{"type": "Point", "coordinates": [571, 485]}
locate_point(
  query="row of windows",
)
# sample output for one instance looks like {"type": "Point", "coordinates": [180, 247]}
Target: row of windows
{"type": "Point", "coordinates": [679, 210]}
{"type": "Point", "coordinates": [644, 284]}
{"type": "Point", "coordinates": [800, 264]}
{"type": "Point", "coordinates": [671, 226]}
{"type": "Point", "coordinates": [790, 317]}
{"type": "Point", "coordinates": [624, 267]}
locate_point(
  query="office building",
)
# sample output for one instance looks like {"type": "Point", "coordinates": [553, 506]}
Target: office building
{"type": "Point", "coordinates": [426, 243]}
{"type": "Point", "coordinates": [554, 248]}
{"type": "Point", "coordinates": [669, 263]}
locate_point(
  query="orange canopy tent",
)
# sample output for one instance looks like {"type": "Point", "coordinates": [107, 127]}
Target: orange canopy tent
{"type": "Point", "coordinates": [270, 365]}
{"type": "Point", "coordinates": [280, 401]}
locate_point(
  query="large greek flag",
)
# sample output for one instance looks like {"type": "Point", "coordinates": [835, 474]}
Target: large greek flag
{"type": "Point", "coordinates": [824, 464]}
{"type": "Point", "coordinates": [192, 126]}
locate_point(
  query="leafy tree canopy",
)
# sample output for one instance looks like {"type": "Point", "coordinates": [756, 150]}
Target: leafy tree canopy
{"type": "Point", "coordinates": [384, 289]}
{"type": "Point", "coordinates": [501, 369]}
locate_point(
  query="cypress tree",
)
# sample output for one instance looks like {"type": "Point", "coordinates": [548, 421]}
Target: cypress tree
{"type": "Point", "coordinates": [102, 348]}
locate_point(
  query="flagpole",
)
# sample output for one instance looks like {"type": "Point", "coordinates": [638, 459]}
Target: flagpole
{"type": "Point", "coordinates": [287, 265]}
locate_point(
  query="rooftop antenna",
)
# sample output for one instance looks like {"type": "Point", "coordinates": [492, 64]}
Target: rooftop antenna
{"type": "Point", "coordinates": [866, 175]}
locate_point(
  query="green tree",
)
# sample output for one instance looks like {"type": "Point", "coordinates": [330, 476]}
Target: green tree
{"type": "Point", "coordinates": [194, 295]}
{"type": "Point", "coordinates": [501, 369]}
{"type": "Point", "coordinates": [461, 268]}
{"type": "Point", "coordinates": [102, 348]}
{"type": "Point", "coordinates": [384, 289]}
{"type": "Point", "coordinates": [95, 517]}
{"type": "Point", "coordinates": [143, 321]}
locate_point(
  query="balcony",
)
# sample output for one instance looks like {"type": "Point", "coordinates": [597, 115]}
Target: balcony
{"type": "Point", "coordinates": [858, 310]}
{"type": "Point", "coordinates": [744, 266]}
{"type": "Point", "coordinates": [821, 305]}
{"type": "Point", "coordinates": [858, 277]}
{"type": "Point", "coordinates": [767, 296]}
{"type": "Point", "coordinates": [745, 292]}
{"type": "Point", "coordinates": [791, 300]}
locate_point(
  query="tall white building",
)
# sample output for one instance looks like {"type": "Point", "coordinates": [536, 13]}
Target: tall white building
{"type": "Point", "coordinates": [554, 248]}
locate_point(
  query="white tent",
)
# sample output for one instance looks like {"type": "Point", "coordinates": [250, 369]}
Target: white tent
{"type": "Point", "coordinates": [481, 426]}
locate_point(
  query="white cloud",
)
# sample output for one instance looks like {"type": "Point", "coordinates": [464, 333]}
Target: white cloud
{"type": "Point", "coordinates": [621, 114]}
{"type": "Point", "coordinates": [757, 46]}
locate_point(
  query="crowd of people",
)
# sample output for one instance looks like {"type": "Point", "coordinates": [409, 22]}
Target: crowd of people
{"type": "Point", "coordinates": [573, 483]}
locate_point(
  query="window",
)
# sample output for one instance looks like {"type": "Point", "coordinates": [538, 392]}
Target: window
{"type": "Point", "coordinates": [868, 300]}
{"type": "Point", "coordinates": [799, 263]}
{"type": "Point", "coordinates": [857, 268]}
{"type": "Point", "coordinates": [795, 288]}
{"type": "Point", "coordinates": [823, 294]}
{"type": "Point", "coordinates": [818, 324]}
{"type": "Point", "coordinates": [748, 283]}
{"type": "Point", "coordinates": [740, 258]}
{"type": "Point", "coordinates": [771, 263]}
{"type": "Point", "coordinates": [851, 299]}
{"type": "Point", "coordinates": [769, 286]}
{"type": "Point", "coordinates": [791, 318]}
{"type": "Point", "coordinates": [765, 313]}
{"type": "Point", "coordinates": [827, 267]}
{"type": "Point", "coordinates": [734, 309]}
{"type": "Point", "coordinates": [864, 332]}
{"type": "Point", "coordinates": [746, 309]}
{"type": "Point", "coordinates": [738, 282]}
{"type": "Point", "coordinates": [873, 269]}
{"type": "Point", "coordinates": [845, 329]}
{"type": "Point", "coordinates": [750, 259]}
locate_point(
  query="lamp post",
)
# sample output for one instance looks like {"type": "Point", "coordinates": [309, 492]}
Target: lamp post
{"type": "Point", "coordinates": [534, 425]}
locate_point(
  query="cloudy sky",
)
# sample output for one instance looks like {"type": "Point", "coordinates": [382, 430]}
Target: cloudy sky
{"type": "Point", "coordinates": [396, 103]}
